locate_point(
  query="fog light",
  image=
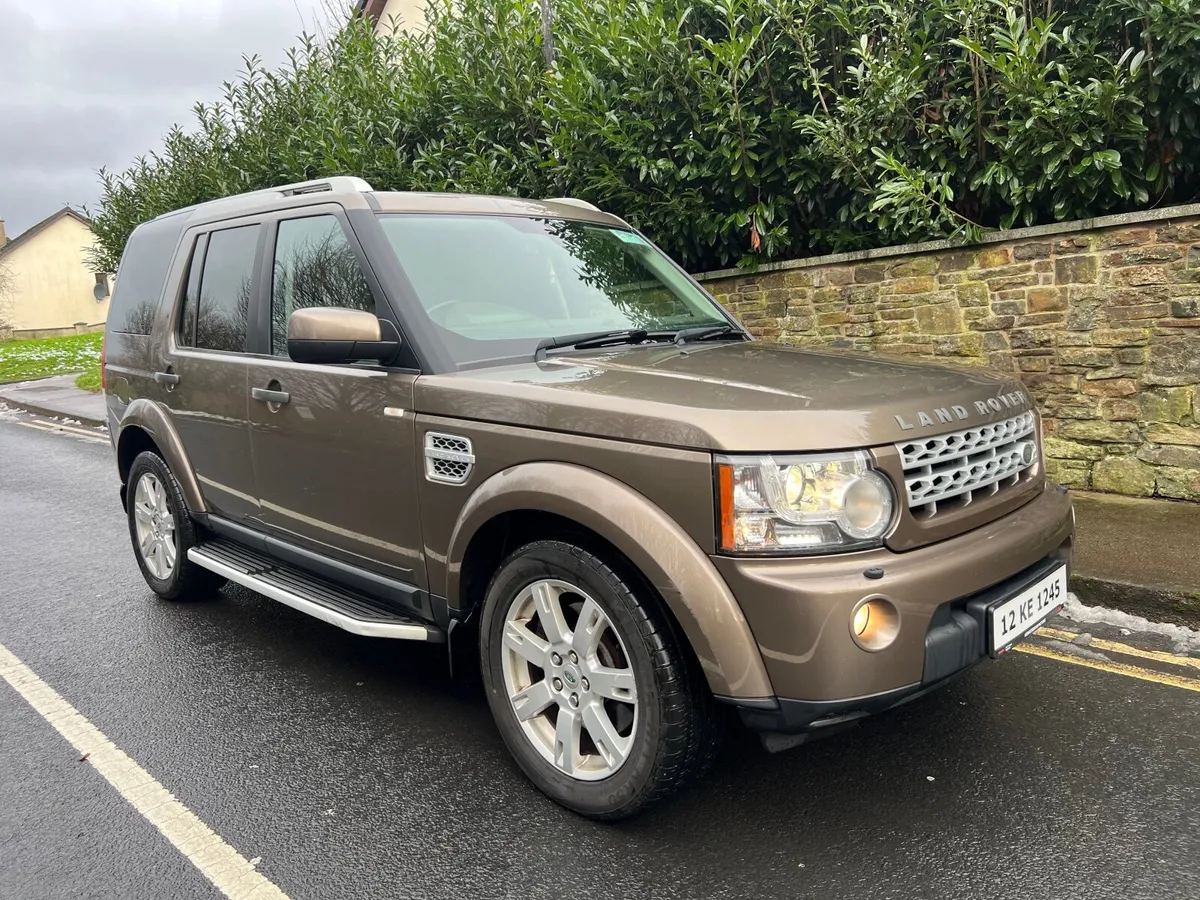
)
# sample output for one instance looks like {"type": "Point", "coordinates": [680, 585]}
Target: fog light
{"type": "Point", "coordinates": [874, 623]}
{"type": "Point", "coordinates": [862, 618]}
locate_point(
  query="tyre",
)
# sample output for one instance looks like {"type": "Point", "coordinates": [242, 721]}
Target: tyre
{"type": "Point", "coordinates": [162, 532]}
{"type": "Point", "coordinates": [591, 689]}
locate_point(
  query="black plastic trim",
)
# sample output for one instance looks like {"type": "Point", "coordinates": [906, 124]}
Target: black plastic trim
{"type": "Point", "coordinates": [407, 598]}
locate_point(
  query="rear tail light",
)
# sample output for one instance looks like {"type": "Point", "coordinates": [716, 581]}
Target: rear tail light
{"type": "Point", "coordinates": [103, 355]}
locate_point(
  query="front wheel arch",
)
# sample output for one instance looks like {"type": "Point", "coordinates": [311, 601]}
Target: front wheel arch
{"type": "Point", "coordinates": [676, 569]}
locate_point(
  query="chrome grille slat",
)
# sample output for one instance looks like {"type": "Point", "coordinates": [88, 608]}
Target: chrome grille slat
{"type": "Point", "coordinates": [977, 461]}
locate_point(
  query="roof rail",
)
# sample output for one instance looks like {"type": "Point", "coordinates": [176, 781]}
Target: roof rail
{"type": "Point", "coordinates": [572, 201]}
{"type": "Point", "coordinates": [338, 183]}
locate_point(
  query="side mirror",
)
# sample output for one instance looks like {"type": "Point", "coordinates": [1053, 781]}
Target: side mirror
{"type": "Point", "coordinates": [333, 334]}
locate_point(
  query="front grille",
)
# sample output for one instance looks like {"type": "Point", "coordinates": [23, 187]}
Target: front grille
{"type": "Point", "coordinates": [962, 465]}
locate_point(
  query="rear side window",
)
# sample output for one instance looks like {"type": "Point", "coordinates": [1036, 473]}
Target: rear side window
{"type": "Point", "coordinates": [314, 266]}
{"type": "Point", "coordinates": [225, 283]}
{"type": "Point", "coordinates": [191, 299]}
{"type": "Point", "coordinates": [142, 274]}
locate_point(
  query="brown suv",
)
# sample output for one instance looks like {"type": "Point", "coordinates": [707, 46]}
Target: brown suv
{"type": "Point", "coordinates": [516, 427]}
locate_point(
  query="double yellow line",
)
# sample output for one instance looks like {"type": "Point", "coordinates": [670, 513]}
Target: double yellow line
{"type": "Point", "coordinates": [55, 428]}
{"type": "Point", "coordinates": [1186, 682]}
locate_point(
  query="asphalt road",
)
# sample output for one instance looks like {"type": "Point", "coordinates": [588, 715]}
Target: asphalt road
{"type": "Point", "coordinates": [354, 768]}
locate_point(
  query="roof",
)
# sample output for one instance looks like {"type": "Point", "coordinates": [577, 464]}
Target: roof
{"type": "Point", "coordinates": [41, 226]}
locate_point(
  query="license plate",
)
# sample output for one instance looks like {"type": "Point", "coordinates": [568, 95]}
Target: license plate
{"type": "Point", "coordinates": [1014, 618]}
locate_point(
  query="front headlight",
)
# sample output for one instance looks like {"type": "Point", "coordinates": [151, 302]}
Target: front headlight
{"type": "Point", "coordinates": [798, 505]}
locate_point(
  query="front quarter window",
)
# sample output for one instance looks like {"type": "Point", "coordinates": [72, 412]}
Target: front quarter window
{"type": "Point", "coordinates": [493, 286]}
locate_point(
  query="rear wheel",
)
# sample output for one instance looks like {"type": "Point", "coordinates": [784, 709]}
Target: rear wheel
{"type": "Point", "coordinates": [162, 532]}
{"type": "Point", "coordinates": [589, 686]}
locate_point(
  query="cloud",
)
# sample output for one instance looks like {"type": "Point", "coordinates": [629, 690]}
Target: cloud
{"type": "Point", "coordinates": [91, 83]}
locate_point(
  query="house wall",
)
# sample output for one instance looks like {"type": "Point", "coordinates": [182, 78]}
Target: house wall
{"type": "Point", "coordinates": [408, 13]}
{"type": "Point", "coordinates": [1100, 319]}
{"type": "Point", "coordinates": [52, 282]}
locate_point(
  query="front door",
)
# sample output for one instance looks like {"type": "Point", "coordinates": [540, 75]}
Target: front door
{"type": "Point", "coordinates": [334, 446]}
{"type": "Point", "coordinates": [205, 371]}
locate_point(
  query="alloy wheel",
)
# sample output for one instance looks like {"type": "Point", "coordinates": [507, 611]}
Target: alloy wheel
{"type": "Point", "coordinates": [569, 679]}
{"type": "Point", "coordinates": [155, 526]}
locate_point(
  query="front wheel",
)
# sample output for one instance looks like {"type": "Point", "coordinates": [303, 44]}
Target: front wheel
{"type": "Point", "coordinates": [588, 683]}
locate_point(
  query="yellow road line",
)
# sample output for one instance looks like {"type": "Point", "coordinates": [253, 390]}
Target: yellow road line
{"type": "Point", "coordinates": [1116, 668]}
{"type": "Point", "coordinates": [1117, 647]}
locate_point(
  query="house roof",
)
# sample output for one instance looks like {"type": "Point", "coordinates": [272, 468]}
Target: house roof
{"type": "Point", "coordinates": [34, 230]}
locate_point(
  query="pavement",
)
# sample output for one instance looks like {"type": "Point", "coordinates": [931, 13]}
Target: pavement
{"type": "Point", "coordinates": [347, 767]}
{"type": "Point", "coordinates": [56, 396]}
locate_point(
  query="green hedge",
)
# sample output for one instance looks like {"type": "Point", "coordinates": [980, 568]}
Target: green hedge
{"type": "Point", "coordinates": [729, 130]}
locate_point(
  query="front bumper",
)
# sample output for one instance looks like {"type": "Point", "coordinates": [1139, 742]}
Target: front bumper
{"type": "Point", "coordinates": [799, 611]}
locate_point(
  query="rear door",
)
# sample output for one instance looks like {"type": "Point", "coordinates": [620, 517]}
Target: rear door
{"type": "Point", "coordinates": [206, 367]}
{"type": "Point", "coordinates": [335, 461]}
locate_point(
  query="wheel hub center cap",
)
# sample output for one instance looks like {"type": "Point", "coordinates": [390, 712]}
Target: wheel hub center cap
{"type": "Point", "coordinates": [571, 676]}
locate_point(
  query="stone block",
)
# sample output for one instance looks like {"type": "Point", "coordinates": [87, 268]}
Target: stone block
{"type": "Point", "coordinates": [1182, 435]}
{"type": "Point", "coordinates": [1118, 410]}
{"type": "Point", "coordinates": [1100, 431]}
{"type": "Point", "coordinates": [993, 256]}
{"type": "Point", "coordinates": [827, 319]}
{"type": "Point", "coordinates": [1178, 484]}
{"type": "Point", "coordinates": [1053, 383]}
{"type": "Point", "coordinates": [1187, 233]}
{"type": "Point", "coordinates": [1073, 339]}
{"type": "Point", "coordinates": [1174, 360]}
{"type": "Point", "coordinates": [1136, 313]}
{"type": "Point", "coordinates": [1090, 357]}
{"type": "Point", "coordinates": [1114, 372]}
{"type": "Point", "coordinates": [1034, 364]}
{"type": "Point", "coordinates": [870, 273]}
{"type": "Point", "coordinates": [1031, 251]}
{"type": "Point", "coordinates": [1120, 337]}
{"type": "Point", "coordinates": [1010, 282]}
{"type": "Point", "coordinates": [1076, 269]}
{"type": "Point", "coordinates": [1125, 238]}
{"type": "Point", "coordinates": [1009, 307]}
{"type": "Point", "coordinates": [1026, 338]}
{"type": "Point", "coordinates": [1045, 299]}
{"type": "Point", "coordinates": [1041, 318]}
{"type": "Point", "coordinates": [940, 318]}
{"type": "Point", "coordinates": [896, 315]}
{"type": "Point", "coordinates": [972, 293]}
{"type": "Point", "coordinates": [1112, 387]}
{"type": "Point", "coordinates": [1185, 308]}
{"type": "Point", "coordinates": [959, 345]}
{"type": "Point", "coordinates": [1074, 475]}
{"type": "Point", "coordinates": [957, 260]}
{"type": "Point", "coordinates": [995, 340]}
{"type": "Point", "coordinates": [1058, 448]}
{"type": "Point", "coordinates": [917, 265]}
{"type": "Point", "coordinates": [1123, 475]}
{"type": "Point", "coordinates": [1140, 276]}
{"type": "Point", "coordinates": [1168, 455]}
{"type": "Point", "coordinates": [919, 284]}
{"type": "Point", "coordinates": [1167, 405]}
{"type": "Point", "coordinates": [992, 323]}
{"type": "Point", "coordinates": [1142, 255]}
{"type": "Point", "coordinates": [1131, 356]}
{"type": "Point", "coordinates": [1193, 258]}
{"type": "Point", "coordinates": [798, 278]}
{"type": "Point", "coordinates": [1075, 244]}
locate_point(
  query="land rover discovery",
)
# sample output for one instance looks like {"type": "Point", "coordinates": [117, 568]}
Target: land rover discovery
{"type": "Point", "coordinates": [517, 428]}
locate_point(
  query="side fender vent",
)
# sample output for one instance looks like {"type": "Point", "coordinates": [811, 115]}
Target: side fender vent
{"type": "Point", "coordinates": [448, 458]}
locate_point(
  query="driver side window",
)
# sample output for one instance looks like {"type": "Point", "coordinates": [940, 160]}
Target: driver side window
{"type": "Point", "coordinates": [314, 266]}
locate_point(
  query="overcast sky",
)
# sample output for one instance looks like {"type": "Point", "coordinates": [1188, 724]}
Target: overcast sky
{"type": "Point", "coordinates": [91, 83]}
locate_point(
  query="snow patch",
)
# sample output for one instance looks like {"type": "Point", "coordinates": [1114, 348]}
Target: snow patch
{"type": "Point", "coordinates": [1184, 639]}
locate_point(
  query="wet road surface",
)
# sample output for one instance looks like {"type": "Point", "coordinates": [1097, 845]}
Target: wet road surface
{"type": "Point", "coordinates": [355, 768]}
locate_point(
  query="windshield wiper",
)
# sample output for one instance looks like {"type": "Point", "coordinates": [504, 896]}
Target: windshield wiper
{"type": "Point", "coordinates": [591, 339]}
{"type": "Point", "coordinates": [702, 332]}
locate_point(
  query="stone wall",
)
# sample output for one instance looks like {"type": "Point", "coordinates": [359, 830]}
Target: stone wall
{"type": "Point", "coordinates": [1100, 319]}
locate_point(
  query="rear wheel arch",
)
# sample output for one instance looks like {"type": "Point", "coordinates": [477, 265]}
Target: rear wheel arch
{"type": "Point", "coordinates": [624, 526]}
{"type": "Point", "coordinates": [146, 426]}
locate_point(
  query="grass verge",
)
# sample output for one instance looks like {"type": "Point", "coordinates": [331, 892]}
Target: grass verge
{"type": "Point", "coordinates": [39, 357]}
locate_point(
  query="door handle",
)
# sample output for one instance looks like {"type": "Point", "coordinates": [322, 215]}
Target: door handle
{"type": "Point", "coordinates": [266, 395]}
{"type": "Point", "coordinates": [166, 378]}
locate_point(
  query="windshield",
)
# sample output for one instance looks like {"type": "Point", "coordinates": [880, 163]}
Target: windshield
{"type": "Point", "coordinates": [494, 286]}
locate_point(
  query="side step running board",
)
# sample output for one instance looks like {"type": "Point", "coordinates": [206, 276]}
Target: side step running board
{"type": "Point", "coordinates": [320, 599]}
